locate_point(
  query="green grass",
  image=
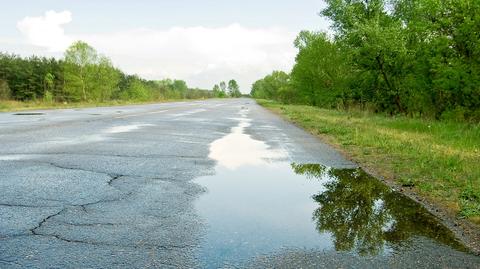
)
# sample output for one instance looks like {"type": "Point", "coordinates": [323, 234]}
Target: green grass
{"type": "Point", "coordinates": [438, 160]}
{"type": "Point", "coordinates": [9, 105]}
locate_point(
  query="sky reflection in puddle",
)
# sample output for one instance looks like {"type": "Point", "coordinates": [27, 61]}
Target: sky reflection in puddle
{"type": "Point", "coordinates": [238, 149]}
{"type": "Point", "coordinates": [125, 128]}
{"type": "Point", "coordinates": [257, 203]}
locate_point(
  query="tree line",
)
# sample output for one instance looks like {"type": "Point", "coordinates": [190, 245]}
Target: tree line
{"type": "Point", "coordinates": [83, 75]}
{"type": "Point", "coordinates": [223, 89]}
{"type": "Point", "coordinates": [413, 57]}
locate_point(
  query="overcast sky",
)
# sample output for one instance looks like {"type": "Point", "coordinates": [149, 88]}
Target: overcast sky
{"type": "Point", "coordinates": [202, 42]}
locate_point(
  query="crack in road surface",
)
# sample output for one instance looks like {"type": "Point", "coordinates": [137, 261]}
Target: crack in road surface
{"type": "Point", "coordinates": [33, 230]}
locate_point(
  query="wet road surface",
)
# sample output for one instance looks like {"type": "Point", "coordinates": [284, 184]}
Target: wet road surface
{"type": "Point", "coordinates": [208, 184]}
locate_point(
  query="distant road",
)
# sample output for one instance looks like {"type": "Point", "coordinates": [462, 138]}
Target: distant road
{"type": "Point", "coordinates": [112, 186]}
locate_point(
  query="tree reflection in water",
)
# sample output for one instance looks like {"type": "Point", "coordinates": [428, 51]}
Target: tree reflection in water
{"type": "Point", "coordinates": [363, 214]}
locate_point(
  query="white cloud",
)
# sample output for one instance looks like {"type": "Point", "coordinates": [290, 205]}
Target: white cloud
{"type": "Point", "coordinates": [202, 56]}
{"type": "Point", "coordinates": [47, 31]}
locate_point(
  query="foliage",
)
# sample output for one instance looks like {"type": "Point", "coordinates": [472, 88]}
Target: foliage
{"type": "Point", "coordinates": [79, 67]}
{"type": "Point", "coordinates": [218, 92]}
{"type": "Point", "coordinates": [274, 86]}
{"type": "Point", "coordinates": [413, 57]}
{"type": "Point", "coordinates": [233, 89]}
{"type": "Point", "coordinates": [25, 78]}
{"type": "Point", "coordinates": [319, 80]}
{"type": "Point", "coordinates": [223, 86]}
{"type": "Point", "coordinates": [223, 89]}
{"type": "Point", "coordinates": [83, 75]}
{"type": "Point", "coordinates": [135, 90]}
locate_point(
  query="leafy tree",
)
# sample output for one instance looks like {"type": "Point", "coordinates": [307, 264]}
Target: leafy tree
{"type": "Point", "coordinates": [411, 57]}
{"type": "Point", "coordinates": [217, 91]}
{"type": "Point", "coordinates": [106, 79]}
{"type": "Point", "coordinates": [447, 62]}
{"type": "Point", "coordinates": [181, 87]}
{"type": "Point", "coordinates": [84, 75]}
{"type": "Point", "coordinates": [26, 76]}
{"type": "Point", "coordinates": [88, 75]}
{"type": "Point", "coordinates": [234, 89]}
{"type": "Point", "coordinates": [223, 86]}
{"type": "Point", "coordinates": [135, 90]}
{"type": "Point", "coordinates": [321, 70]}
{"type": "Point", "coordinates": [80, 59]}
{"type": "Point", "coordinates": [49, 84]}
{"type": "Point", "coordinates": [274, 86]}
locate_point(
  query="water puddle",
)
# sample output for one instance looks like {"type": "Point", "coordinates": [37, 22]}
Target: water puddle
{"type": "Point", "coordinates": [237, 149]}
{"type": "Point", "coordinates": [258, 203]}
{"type": "Point", "coordinates": [125, 128]}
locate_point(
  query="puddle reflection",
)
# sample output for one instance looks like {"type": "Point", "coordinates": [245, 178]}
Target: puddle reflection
{"type": "Point", "coordinates": [238, 149]}
{"type": "Point", "coordinates": [126, 128]}
{"type": "Point", "coordinates": [258, 204]}
{"type": "Point", "coordinates": [363, 214]}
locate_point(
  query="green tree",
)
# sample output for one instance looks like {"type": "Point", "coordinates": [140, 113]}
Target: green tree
{"type": "Point", "coordinates": [136, 90]}
{"type": "Point", "coordinates": [106, 79]}
{"type": "Point", "coordinates": [233, 89]}
{"type": "Point", "coordinates": [447, 62]}
{"type": "Point", "coordinates": [217, 92]}
{"type": "Point", "coordinates": [83, 75]}
{"type": "Point", "coordinates": [274, 86]}
{"type": "Point", "coordinates": [88, 75]}
{"type": "Point", "coordinates": [321, 70]}
{"type": "Point", "coordinates": [49, 84]}
{"type": "Point", "coordinates": [80, 59]}
{"type": "Point", "coordinates": [223, 86]}
{"type": "Point", "coordinates": [181, 87]}
{"type": "Point", "coordinates": [377, 43]}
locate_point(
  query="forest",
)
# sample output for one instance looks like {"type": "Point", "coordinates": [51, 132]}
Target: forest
{"type": "Point", "coordinates": [418, 58]}
{"type": "Point", "coordinates": [84, 75]}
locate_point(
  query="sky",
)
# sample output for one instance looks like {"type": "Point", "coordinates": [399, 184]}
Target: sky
{"type": "Point", "coordinates": [202, 42]}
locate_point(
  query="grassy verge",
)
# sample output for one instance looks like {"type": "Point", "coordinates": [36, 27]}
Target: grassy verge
{"type": "Point", "coordinates": [437, 160]}
{"type": "Point", "coordinates": [32, 105]}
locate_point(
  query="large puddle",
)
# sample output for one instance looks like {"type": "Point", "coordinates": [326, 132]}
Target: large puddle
{"type": "Point", "coordinates": [258, 203]}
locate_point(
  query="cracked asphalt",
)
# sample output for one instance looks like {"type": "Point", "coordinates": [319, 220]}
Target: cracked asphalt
{"type": "Point", "coordinates": [112, 187]}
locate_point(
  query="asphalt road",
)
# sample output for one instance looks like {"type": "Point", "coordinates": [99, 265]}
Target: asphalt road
{"type": "Point", "coordinates": [112, 187]}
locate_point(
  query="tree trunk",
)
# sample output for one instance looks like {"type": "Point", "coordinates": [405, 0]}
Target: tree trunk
{"type": "Point", "coordinates": [83, 84]}
{"type": "Point", "coordinates": [389, 85]}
